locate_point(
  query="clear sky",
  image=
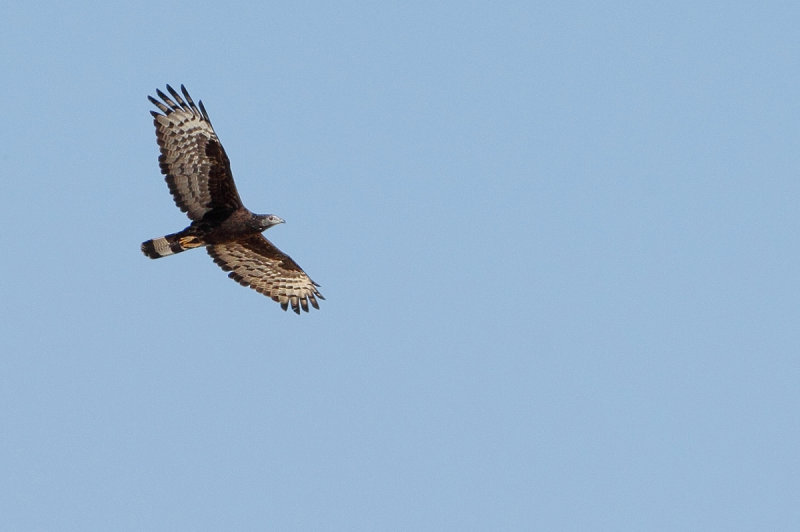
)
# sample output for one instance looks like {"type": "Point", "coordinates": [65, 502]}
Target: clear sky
{"type": "Point", "coordinates": [558, 241]}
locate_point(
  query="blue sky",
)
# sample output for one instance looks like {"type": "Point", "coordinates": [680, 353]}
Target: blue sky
{"type": "Point", "coordinates": [558, 242]}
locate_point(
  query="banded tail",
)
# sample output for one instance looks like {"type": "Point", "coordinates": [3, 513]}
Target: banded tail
{"type": "Point", "coordinates": [171, 244]}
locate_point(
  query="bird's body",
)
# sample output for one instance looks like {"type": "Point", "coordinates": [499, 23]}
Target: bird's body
{"type": "Point", "coordinates": [199, 177]}
{"type": "Point", "coordinates": [210, 231]}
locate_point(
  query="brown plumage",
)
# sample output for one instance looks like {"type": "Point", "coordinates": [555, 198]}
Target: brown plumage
{"type": "Point", "coordinates": [198, 174]}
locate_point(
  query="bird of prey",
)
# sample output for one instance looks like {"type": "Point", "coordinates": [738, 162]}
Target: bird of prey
{"type": "Point", "coordinates": [199, 177]}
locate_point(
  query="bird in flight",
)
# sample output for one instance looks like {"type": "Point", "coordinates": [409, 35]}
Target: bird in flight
{"type": "Point", "coordinates": [198, 174]}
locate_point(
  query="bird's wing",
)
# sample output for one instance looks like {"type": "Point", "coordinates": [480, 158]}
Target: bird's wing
{"type": "Point", "coordinates": [255, 262]}
{"type": "Point", "coordinates": [194, 162]}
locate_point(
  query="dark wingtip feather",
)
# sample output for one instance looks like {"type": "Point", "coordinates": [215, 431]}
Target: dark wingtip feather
{"type": "Point", "coordinates": [203, 110]}
{"type": "Point", "coordinates": [164, 108]}
{"type": "Point", "coordinates": [174, 93]}
{"type": "Point", "coordinates": [189, 100]}
{"type": "Point", "coordinates": [178, 98]}
{"type": "Point", "coordinates": [167, 100]}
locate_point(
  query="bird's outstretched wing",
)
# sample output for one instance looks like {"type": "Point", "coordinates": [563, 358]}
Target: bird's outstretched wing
{"type": "Point", "coordinates": [194, 162]}
{"type": "Point", "coordinates": [255, 262]}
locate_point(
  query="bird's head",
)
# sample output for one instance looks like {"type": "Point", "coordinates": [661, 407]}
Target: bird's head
{"type": "Point", "coordinates": [265, 221]}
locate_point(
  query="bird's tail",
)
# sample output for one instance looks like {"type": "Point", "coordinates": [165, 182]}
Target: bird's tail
{"type": "Point", "coordinates": [171, 244]}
